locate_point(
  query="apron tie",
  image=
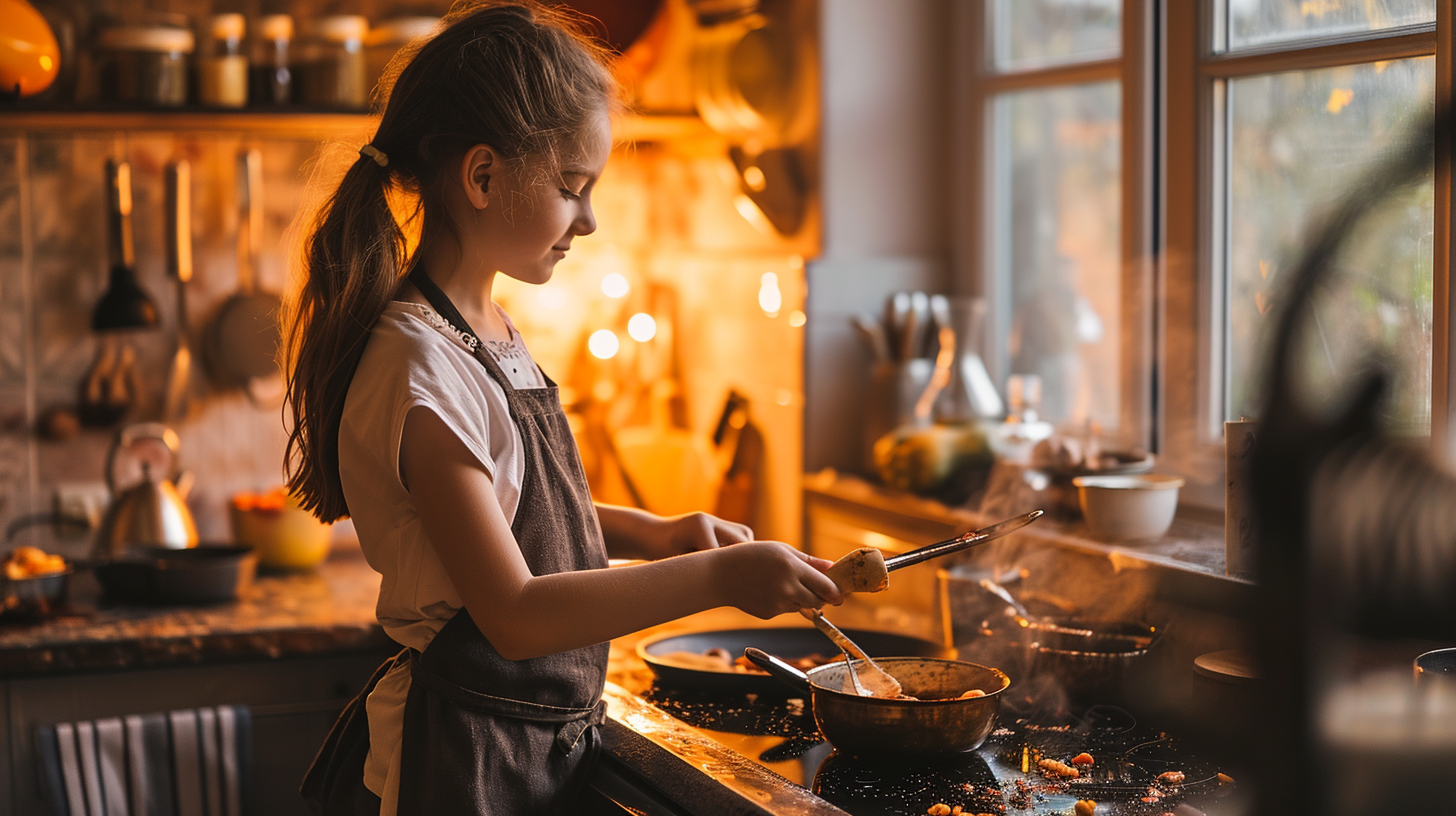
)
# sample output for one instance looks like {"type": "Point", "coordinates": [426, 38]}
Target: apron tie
{"type": "Point", "coordinates": [570, 732]}
{"type": "Point", "coordinates": [574, 721]}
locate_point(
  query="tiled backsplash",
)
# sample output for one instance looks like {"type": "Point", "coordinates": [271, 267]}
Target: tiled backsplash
{"type": "Point", "coordinates": [667, 219]}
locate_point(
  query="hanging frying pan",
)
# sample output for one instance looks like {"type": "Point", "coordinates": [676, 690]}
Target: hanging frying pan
{"type": "Point", "coordinates": [241, 342]}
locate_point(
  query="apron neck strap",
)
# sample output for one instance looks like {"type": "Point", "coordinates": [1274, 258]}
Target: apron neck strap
{"type": "Point", "coordinates": [441, 304]}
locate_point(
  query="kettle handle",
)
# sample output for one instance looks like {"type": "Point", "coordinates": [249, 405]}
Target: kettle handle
{"type": "Point", "coordinates": [129, 436]}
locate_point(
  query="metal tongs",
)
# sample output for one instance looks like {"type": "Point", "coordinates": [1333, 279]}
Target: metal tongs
{"type": "Point", "coordinates": [867, 569]}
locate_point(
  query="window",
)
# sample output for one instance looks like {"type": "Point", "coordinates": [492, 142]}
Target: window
{"type": "Point", "coordinates": [1144, 170]}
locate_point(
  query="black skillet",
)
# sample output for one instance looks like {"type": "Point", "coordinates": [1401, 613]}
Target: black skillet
{"type": "Point", "coordinates": [789, 643]}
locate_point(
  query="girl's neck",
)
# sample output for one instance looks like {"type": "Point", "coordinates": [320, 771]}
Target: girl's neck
{"type": "Point", "coordinates": [469, 290]}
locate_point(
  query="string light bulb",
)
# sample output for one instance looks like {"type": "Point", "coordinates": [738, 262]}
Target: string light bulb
{"type": "Point", "coordinates": [770, 299]}
{"type": "Point", "coordinates": [603, 344]}
{"type": "Point", "coordinates": [641, 327]}
{"type": "Point", "coordinates": [615, 285]}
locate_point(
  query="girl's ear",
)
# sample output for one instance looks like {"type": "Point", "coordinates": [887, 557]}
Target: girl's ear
{"type": "Point", "coordinates": [475, 171]}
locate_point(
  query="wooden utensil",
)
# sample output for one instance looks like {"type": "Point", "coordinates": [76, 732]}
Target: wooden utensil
{"type": "Point", "coordinates": [179, 264]}
{"type": "Point", "coordinates": [868, 680]}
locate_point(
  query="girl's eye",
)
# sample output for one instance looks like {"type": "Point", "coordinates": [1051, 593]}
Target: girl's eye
{"type": "Point", "coordinates": [569, 194]}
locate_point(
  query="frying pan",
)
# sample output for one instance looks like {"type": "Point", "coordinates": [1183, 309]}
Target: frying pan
{"type": "Point", "coordinates": [788, 642]}
{"type": "Point", "coordinates": [242, 339]}
{"type": "Point", "coordinates": [155, 575]}
{"type": "Point", "coordinates": [939, 723]}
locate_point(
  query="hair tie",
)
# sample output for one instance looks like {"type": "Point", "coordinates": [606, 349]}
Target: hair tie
{"type": "Point", "coordinates": [374, 153]}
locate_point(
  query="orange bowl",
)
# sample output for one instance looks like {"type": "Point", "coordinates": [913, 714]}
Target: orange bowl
{"type": "Point", "coordinates": [284, 535]}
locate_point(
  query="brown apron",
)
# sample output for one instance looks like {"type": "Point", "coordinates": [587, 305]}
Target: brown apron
{"type": "Point", "coordinates": [483, 734]}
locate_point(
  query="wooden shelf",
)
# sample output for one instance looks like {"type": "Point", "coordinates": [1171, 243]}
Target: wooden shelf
{"type": "Point", "coordinates": [283, 124]}
{"type": "Point", "coordinates": [287, 124]}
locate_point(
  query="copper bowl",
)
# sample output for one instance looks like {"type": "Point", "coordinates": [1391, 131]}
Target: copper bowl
{"type": "Point", "coordinates": [939, 724]}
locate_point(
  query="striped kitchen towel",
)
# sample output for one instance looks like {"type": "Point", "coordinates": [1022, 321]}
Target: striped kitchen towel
{"type": "Point", "coordinates": [190, 762]}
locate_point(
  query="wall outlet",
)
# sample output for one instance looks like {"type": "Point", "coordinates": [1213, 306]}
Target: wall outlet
{"type": "Point", "coordinates": [82, 501]}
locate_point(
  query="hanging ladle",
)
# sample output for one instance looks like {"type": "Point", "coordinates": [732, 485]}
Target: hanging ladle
{"type": "Point", "coordinates": [124, 305]}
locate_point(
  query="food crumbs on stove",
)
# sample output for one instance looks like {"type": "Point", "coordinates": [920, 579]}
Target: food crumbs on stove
{"type": "Point", "coordinates": [1020, 797]}
{"type": "Point", "coordinates": [1171, 777]}
{"type": "Point", "coordinates": [1225, 779]}
{"type": "Point", "coordinates": [796, 706]}
{"type": "Point", "coordinates": [939, 809]}
{"type": "Point", "coordinates": [1083, 758]}
{"type": "Point", "coordinates": [752, 698]}
{"type": "Point", "coordinates": [1084, 807]}
{"type": "Point", "coordinates": [1055, 767]}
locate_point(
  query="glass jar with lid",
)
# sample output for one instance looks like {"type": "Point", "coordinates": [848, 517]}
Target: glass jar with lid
{"type": "Point", "coordinates": [222, 67]}
{"type": "Point", "coordinates": [332, 71]}
{"type": "Point", "coordinates": [144, 64]}
{"type": "Point", "coordinates": [272, 66]}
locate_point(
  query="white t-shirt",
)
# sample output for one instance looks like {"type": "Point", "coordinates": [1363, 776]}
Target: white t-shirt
{"type": "Point", "coordinates": [415, 358]}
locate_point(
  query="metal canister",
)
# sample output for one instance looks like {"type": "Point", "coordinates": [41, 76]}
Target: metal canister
{"type": "Point", "coordinates": [145, 65]}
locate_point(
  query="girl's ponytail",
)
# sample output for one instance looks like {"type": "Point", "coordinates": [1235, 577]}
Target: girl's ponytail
{"type": "Point", "coordinates": [353, 259]}
{"type": "Point", "coordinates": [514, 74]}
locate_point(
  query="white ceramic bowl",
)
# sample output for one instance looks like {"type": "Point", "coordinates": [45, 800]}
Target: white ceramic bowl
{"type": "Point", "coordinates": [1128, 507]}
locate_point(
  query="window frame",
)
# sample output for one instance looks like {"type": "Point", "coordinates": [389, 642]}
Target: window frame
{"type": "Point", "coordinates": [1174, 199]}
{"type": "Point", "coordinates": [979, 84]}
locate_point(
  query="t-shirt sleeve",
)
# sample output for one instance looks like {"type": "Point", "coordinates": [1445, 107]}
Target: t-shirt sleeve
{"type": "Point", "coordinates": [465, 425]}
{"type": "Point", "coordinates": [398, 373]}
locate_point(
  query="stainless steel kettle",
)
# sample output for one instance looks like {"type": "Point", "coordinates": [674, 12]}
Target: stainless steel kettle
{"type": "Point", "coordinates": [152, 513]}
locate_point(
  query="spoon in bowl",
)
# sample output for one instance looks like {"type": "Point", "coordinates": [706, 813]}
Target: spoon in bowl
{"type": "Point", "coordinates": [875, 681]}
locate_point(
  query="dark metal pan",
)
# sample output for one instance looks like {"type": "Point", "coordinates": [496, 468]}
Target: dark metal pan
{"type": "Point", "coordinates": [790, 643]}
{"type": "Point", "coordinates": [200, 575]}
{"type": "Point", "coordinates": [941, 722]}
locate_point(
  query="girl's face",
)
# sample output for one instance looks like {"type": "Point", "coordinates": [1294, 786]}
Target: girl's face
{"type": "Point", "coordinates": [534, 212]}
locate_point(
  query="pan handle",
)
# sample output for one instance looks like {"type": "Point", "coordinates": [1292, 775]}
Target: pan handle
{"type": "Point", "coordinates": [779, 669]}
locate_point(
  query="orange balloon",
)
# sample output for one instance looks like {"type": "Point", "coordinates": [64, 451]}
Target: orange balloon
{"type": "Point", "coordinates": [30, 58]}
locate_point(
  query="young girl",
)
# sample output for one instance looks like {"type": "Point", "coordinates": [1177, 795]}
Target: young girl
{"type": "Point", "coordinates": [419, 413]}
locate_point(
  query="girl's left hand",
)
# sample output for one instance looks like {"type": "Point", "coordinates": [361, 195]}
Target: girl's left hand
{"type": "Point", "coordinates": [691, 532]}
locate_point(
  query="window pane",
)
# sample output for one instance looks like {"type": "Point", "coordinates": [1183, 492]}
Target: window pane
{"type": "Point", "coordinates": [1260, 22]}
{"type": "Point", "coordinates": [1055, 228]}
{"type": "Point", "coordinates": [1035, 33]}
{"type": "Point", "coordinates": [1298, 142]}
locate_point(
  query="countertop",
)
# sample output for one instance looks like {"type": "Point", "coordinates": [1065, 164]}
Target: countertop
{"type": "Point", "coordinates": [280, 615]}
{"type": "Point", "coordinates": [1193, 544]}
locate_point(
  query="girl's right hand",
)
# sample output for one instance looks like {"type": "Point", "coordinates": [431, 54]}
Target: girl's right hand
{"type": "Point", "coordinates": [769, 578]}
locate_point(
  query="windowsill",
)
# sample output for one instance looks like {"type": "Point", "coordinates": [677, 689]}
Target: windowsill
{"type": "Point", "coordinates": [1194, 544]}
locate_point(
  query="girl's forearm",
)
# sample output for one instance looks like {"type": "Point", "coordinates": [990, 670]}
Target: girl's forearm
{"type": "Point", "coordinates": [623, 529]}
{"type": "Point", "coordinates": [568, 610]}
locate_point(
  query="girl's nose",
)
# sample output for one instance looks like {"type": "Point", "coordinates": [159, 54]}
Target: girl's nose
{"type": "Point", "coordinates": [586, 222]}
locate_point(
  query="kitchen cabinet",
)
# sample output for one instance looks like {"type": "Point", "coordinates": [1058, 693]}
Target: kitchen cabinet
{"type": "Point", "coordinates": [293, 703]}
{"type": "Point", "coordinates": [294, 648]}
